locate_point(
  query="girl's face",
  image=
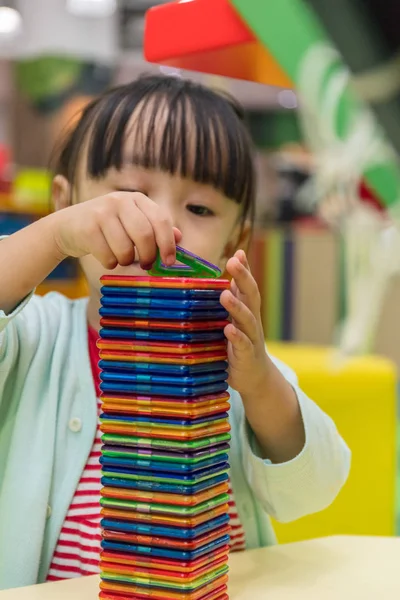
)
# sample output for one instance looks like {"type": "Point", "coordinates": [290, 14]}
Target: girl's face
{"type": "Point", "coordinates": [209, 222]}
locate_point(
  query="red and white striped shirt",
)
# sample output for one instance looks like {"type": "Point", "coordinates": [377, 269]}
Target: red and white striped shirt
{"type": "Point", "coordinates": [78, 547]}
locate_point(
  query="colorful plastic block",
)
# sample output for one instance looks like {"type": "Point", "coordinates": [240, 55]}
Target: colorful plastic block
{"type": "Point", "coordinates": [208, 36]}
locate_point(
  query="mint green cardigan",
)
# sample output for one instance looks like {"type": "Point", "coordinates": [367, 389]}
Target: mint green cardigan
{"type": "Point", "coordinates": [48, 422]}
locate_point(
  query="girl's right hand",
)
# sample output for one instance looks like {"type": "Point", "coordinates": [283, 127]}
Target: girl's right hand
{"type": "Point", "coordinates": [113, 226]}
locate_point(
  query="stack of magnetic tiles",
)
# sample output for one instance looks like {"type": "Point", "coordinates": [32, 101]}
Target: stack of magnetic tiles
{"type": "Point", "coordinates": [164, 501]}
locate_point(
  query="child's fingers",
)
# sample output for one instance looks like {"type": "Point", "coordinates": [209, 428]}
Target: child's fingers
{"type": "Point", "coordinates": [100, 248]}
{"type": "Point", "coordinates": [119, 241]}
{"type": "Point", "coordinates": [177, 235]}
{"type": "Point", "coordinates": [239, 340]}
{"type": "Point", "coordinates": [234, 288]}
{"type": "Point", "coordinates": [242, 257]}
{"type": "Point", "coordinates": [245, 283]}
{"type": "Point", "coordinates": [242, 315]}
{"type": "Point", "coordinates": [140, 230]}
{"type": "Point", "coordinates": [162, 226]}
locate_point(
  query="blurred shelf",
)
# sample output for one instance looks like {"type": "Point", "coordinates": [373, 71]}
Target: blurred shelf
{"type": "Point", "coordinates": [8, 207]}
{"type": "Point", "coordinates": [72, 289]}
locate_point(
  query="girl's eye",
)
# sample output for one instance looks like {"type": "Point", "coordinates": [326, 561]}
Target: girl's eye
{"type": "Point", "coordinates": [201, 211]}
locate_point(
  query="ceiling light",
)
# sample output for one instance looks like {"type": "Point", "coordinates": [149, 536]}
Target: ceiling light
{"type": "Point", "coordinates": [287, 99]}
{"type": "Point", "coordinates": [10, 22]}
{"type": "Point", "coordinates": [172, 71]}
{"type": "Point", "coordinates": [92, 8]}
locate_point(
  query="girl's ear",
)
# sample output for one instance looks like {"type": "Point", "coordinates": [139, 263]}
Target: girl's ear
{"type": "Point", "coordinates": [61, 192]}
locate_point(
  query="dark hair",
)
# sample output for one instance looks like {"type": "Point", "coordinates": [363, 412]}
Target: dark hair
{"type": "Point", "coordinates": [189, 130]}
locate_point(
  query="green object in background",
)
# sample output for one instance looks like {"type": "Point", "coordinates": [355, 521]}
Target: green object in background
{"type": "Point", "coordinates": [366, 35]}
{"type": "Point", "coordinates": [47, 78]}
{"type": "Point", "coordinates": [286, 28]}
{"type": "Point", "coordinates": [274, 285]}
{"type": "Point", "coordinates": [271, 130]}
{"type": "Point", "coordinates": [289, 30]}
{"type": "Point", "coordinates": [49, 81]}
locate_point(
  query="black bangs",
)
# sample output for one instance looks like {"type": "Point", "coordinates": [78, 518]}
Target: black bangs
{"type": "Point", "coordinates": [170, 124]}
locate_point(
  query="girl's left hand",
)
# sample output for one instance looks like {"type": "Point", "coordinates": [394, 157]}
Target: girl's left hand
{"type": "Point", "coordinates": [249, 363]}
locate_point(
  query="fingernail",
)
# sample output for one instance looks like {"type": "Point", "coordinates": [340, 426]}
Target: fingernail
{"type": "Point", "coordinates": [147, 266]}
{"type": "Point", "coordinates": [170, 260]}
{"type": "Point", "coordinates": [239, 264]}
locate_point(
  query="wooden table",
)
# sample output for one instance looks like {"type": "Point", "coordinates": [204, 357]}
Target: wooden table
{"type": "Point", "coordinates": [336, 568]}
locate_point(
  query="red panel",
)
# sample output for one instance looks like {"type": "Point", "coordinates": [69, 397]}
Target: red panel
{"type": "Point", "coordinates": [180, 28]}
{"type": "Point", "coordinates": [208, 36]}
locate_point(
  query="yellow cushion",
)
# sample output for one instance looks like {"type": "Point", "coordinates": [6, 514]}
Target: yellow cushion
{"type": "Point", "coordinates": [361, 399]}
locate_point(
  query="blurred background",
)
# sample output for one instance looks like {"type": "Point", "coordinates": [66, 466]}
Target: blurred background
{"type": "Point", "coordinates": [57, 54]}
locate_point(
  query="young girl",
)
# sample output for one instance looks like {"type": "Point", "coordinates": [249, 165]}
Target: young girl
{"type": "Point", "coordinates": [150, 164]}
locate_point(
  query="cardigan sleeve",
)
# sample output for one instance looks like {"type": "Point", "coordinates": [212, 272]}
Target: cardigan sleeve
{"type": "Point", "coordinates": [5, 319]}
{"type": "Point", "coordinates": [6, 337]}
{"type": "Point", "coordinates": [309, 482]}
